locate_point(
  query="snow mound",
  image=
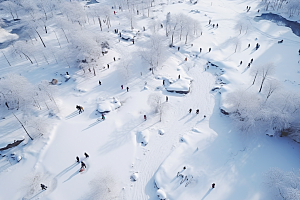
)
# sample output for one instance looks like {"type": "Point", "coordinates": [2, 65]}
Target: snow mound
{"type": "Point", "coordinates": [108, 105]}
{"type": "Point", "coordinates": [196, 130]}
{"type": "Point", "coordinates": [161, 194]}
{"type": "Point", "coordinates": [143, 137]}
{"type": "Point", "coordinates": [161, 132]}
{"type": "Point", "coordinates": [181, 86]}
{"type": "Point", "coordinates": [5, 36]}
{"type": "Point", "coordinates": [134, 176]}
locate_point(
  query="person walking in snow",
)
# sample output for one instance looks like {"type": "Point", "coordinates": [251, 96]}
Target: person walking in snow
{"type": "Point", "coordinates": [44, 187]}
{"type": "Point", "coordinates": [107, 66]}
{"type": "Point", "coordinates": [299, 51]}
{"type": "Point", "coordinates": [83, 164]}
{"type": "Point", "coordinates": [86, 155]}
{"type": "Point", "coordinates": [213, 25]}
{"type": "Point", "coordinates": [251, 60]}
{"type": "Point", "coordinates": [213, 185]}
{"type": "Point", "coordinates": [133, 41]}
{"type": "Point", "coordinates": [241, 62]}
{"type": "Point", "coordinates": [122, 87]}
{"type": "Point", "coordinates": [179, 48]}
{"type": "Point", "coordinates": [77, 159]}
{"type": "Point", "coordinates": [145, 117]}
{"type": "Point", "coordinates": [80, 109]}
{"type": "Point", "coordinates": [190, 110]}
{"type": "Point", "coordinates": [103, 117]}
{"type": "Point", "coordinates": [209, 49]}
{"type": "Point", "coordinates": [127, 89]}
{"type": "Point", "coordinates": [114, 58]}
{"type": "Point", "coordinates": [179, 76]}
{"type": "Point", "coordinates": [200, 50]}
{"type": "Point", "coordinates": [217, 25]}
{"type": "Point", "coordinates": [167, 98]}
{"type": "Point", "coordinates": [248, 45]}
{"type": "Point", "coordinates": [99, 82]}
{"type": "Point", "coordinates": [209, 21]}
{"type": "Point", "coordinates": [249, 65]}
{"type": "Point", "coordinates": [257, 46]}
{"type": "Point", "coordinates": [197, 111]}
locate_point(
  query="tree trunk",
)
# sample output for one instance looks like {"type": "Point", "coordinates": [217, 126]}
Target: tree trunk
{"type": "Point", "coordinates": [6, 59]}
{"type": "Point", "coordinates": [57, 39]}
{"type": "Point", "coordinates": [254, 78]}
{"type": "Point", "coordinates": [40, 38]}
{"type": "Point", "coordinates": [65, 34]}
{"type": "Point", "coordinates": [262, 82]}
{"type": "Point", "coordinates": [100, 23]}
{"type": "Point", "coordinates": [23, 126]}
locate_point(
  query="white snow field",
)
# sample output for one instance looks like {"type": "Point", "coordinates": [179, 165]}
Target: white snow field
{"type": "Point", "coordinates": [173, 154]}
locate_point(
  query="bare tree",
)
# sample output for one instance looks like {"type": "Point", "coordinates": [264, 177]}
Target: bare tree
{"type": "Point", "coordinates": [155, 52]}
{"type": "Point", "coordinates": [266, 71]}
{"type": "Point", "coordinates": [156, 103]}
{"type": "Point", "coordinates": [272, 86]}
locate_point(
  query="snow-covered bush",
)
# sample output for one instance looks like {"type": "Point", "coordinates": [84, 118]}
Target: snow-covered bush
{"type": "Point", "coordinates": [283, 185]}
{"type": "Point", "coordinates": [143, 137]}
{"type": "Point", "coordinates": [161, 194]}
{"type": "Point", "coordinates": [252, 110]}
{"type": "Point", "coordinates": [108, 105]}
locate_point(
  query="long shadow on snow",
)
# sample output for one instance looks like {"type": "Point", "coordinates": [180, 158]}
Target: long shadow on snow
{"type": "Point", "coordinates": [207, 193]}
{"type": "Point", "coordinates": [37, 194]}
{"type": "Point", "coordinates": [93, 124]}
{"type": "Point", "coordinates": [66, 170]}
{"type": "Point", "coordinates": [9, 128]}
{"type": "Point", "coordinates": [77, 172]}
{"type": "Point", "coordinates": [73, 114]}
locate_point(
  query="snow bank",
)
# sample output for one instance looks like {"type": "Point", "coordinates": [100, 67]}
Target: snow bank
{"type": "Point", "coordinates": [161, 194]}
{"type": "Point", "coordinates": [181, 86]}
{"type": "Point", "coordinates": [108, 105]}
{"type": "Point", "coordinates": [161, 132]}
{"type": "Point", "coordinates": [6, 36]}
{"type": "Point", "coordinates": [143, 137]}
{"type": "Point", "coordinates": [134, 176]}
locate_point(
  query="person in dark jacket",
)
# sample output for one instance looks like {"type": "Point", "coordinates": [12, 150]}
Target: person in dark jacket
{"type": "Point", "coordinates": [44, 187]}
{"type": "Point", "coordinates": [83, 165]}
{"type": "Point", "coordinates": [190, 110]}
{"type": "Point", "coordinates": [77, 159]}
{"type": "Point", "coordinates": [86, 155]}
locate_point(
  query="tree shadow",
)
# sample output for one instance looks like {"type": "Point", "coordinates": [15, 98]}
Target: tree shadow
{"type": "Point", "coordinates": [73, 114]}
{"type": "Point", "coordinates": [207, 193]}
{"type": "Point", "coordinates": [66, 170]}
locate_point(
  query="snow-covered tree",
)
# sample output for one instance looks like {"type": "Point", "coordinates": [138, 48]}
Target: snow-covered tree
{"type": "Point", "coordinates": [156, 103]}
{"type": "Point", "coordinates": [155, 52]}
{"type": "Point", "coordinates": [265, 72]}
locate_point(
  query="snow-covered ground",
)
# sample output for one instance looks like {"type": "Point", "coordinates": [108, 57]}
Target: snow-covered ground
{"type": "Point", "coordinates": [177, 155]}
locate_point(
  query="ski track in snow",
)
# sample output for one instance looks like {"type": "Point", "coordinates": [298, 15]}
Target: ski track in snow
{"type": "Point", "coordinates": [150, 157]}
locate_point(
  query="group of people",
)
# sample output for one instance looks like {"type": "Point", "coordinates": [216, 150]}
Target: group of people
{"type": "Point", "coordinates": [127, 88]}
{"type": "Point", "coordinates": [197, 111]}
